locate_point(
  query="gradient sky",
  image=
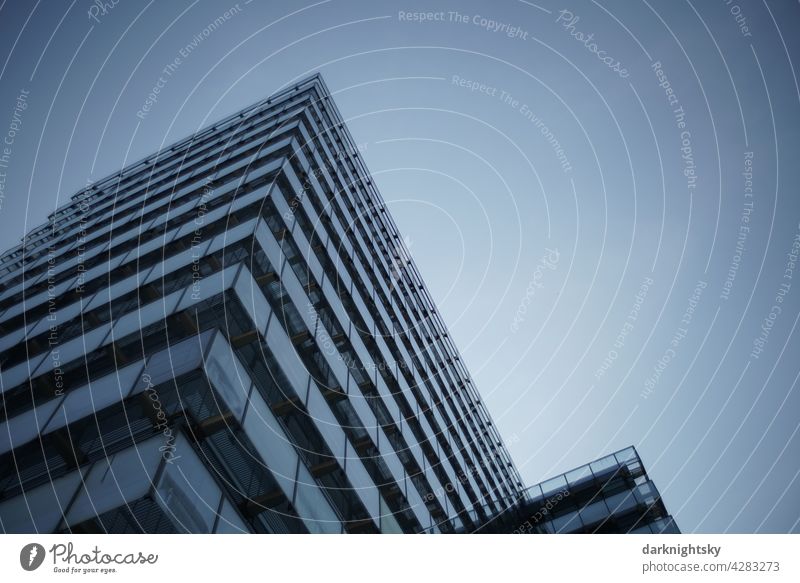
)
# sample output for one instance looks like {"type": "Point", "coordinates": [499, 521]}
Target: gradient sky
{"type": "Point", "coordinates": [561, 217]}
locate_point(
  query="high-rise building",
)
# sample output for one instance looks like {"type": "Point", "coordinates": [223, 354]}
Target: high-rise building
{"type": "Point", "coordinates": [231, 336]}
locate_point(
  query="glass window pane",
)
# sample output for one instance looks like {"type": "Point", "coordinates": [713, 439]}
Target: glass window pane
{"type": "Point", "coordinates": [646, 493]}
{"type": "Point", "coordinates": [390, 458]}
{"type": "Point", "coordinates": [271, 443]}
{"type": "Point", "coordinates": [25, 427]}
{"type": "Point", "coordinates": [567, 523]}
{"type": "Point", "coordinates": [627, 454]}
{"type": "Point", "coordinates": [417, 504]}
{"type": "Point", "coordinates": [553, 486]}
{"type": "Point", "coordinates": [621, 502]}
{"type": "Point", "coordinates": [270, 247]}
{"type": "Point", "coordinates": [389, 524]}
{"type": "Point", "coordinates": [98, 395]}
{"type": "Point", "coordinates": [207, 287]}
{"type": "Point", "coordinates": [579, 475]}
{"type": "Point", "coordinates": [365, 414]}
{"type": "Point", "coordinates": [594, 512]}
{"type": "Point", "coordinates": [78, 347]}
{"type": "Point", "coordinates": [604, 466]}
{"type": "Point", "coordinates": [40, 509]}
{"type": "Point", "coordinates": [229, 521]}
{"type": "Point", "coordinates": [320, 412]}
{"type": "Point", "coordinates": [313, 506]}
{"type": "Point", "coordinates": [186, 491]}
{"type": "Point", "coordinates": [227, 376]}
{"type": "Point", "coordinates": [252, 299]}
{"type": "Point", "coordinates": [176, 360]}
{"type": "Point", "coordinates": [285, 354]}
{"type": "Point", "coordinates": [124, 477]}
{"type": "Point", "coordinates": [363, 484]}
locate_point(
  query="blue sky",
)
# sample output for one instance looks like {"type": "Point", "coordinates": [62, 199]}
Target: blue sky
{"type": "Point", "coordinates": [607, 222]}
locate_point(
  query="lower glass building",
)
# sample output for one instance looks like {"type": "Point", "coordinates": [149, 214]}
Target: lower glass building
{"type": "Point", "coordinates": [230, 336]}
{"type": "Point", "coordinates": [611, 495]}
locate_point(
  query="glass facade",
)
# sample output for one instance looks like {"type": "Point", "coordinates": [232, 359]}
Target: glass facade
{"type": "Point", "coordinates": [611, 495]}
{"type": "Point", "coordinates": [229, 336]}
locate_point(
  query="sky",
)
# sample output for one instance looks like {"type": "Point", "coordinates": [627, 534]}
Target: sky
{"type": "Point", "coordinates": [602, 197]}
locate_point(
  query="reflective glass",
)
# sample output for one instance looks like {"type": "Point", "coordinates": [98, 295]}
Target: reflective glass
{"type": "Point", "coordinates": [176, 360]}
{"type": "Point", "coordinates": [25, 427]}
{"type": "Point", "coordinates": [579, 475]}
{"type": "Point", "coordinates": [313, 506]}
{"type": "Point", "coordinates": [94, 397]}
{"type": "Point", "coordinates": [252, 299]}
{"type": "Point", "coordinates": [290, 362]}
{"type": "Point", "coordinates": [229, 521]}
{"type": "Point", "coordinates": [621, 502]}
{"type": "Point", "coordinates": [363, 484]}
{"type": "Point", "coordinates": [186, 491]}
{"type": "Point", "coordinates": [604, 465]}
{"type": "Point", "coordinates": [325, 421]}
{"type": "Point", "coordinates": [227, 376]}
{"type": "Point", "coordinates": [271, 443]}
{"type": "Point", "coordinates": [566, 523]}
{"type": "Point", "coordinates": [594, 512]}
{"type": "Point", "coordinates": [553, 486]}
{"type": "Point", "coordinates": [123, 477]}
{"type": "Point", "coordinates": [39, 509]}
